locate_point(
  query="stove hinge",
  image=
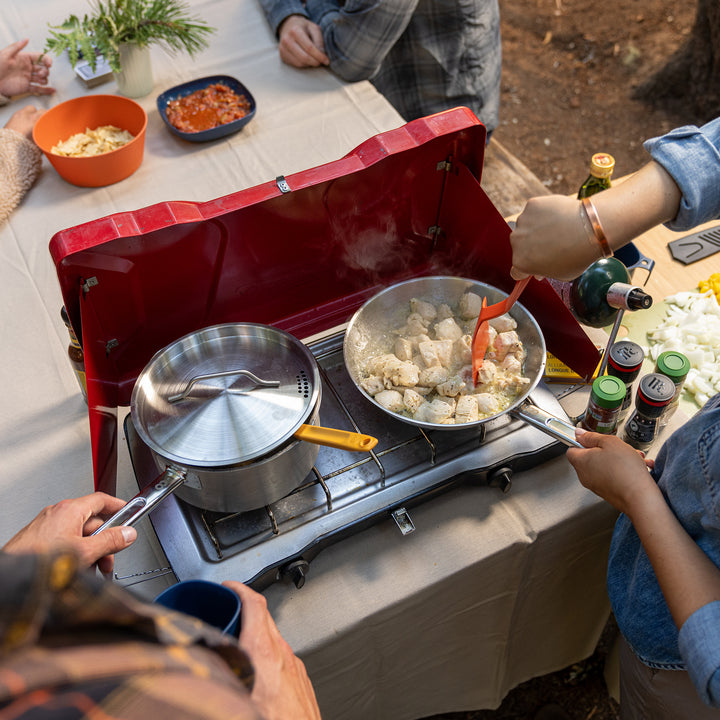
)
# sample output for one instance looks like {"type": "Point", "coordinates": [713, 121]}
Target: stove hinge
{"type": "Point", "coordinates": [435, 232]}
{"type": "Point", "coordinates": [86, 285]}
{"type": "Point", "coordinates": [91, 282]}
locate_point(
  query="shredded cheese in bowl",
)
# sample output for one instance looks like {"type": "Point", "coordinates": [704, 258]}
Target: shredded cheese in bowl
{"type": "Point", "coordinates": [93, 142]}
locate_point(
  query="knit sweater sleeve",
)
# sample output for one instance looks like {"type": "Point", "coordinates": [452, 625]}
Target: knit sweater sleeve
{"type": "Point", "coordinates": [20, 161]}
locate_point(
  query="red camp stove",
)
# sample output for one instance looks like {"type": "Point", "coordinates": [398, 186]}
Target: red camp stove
{"type": "Point", "coordinates": [345, 492]}
{"type": "Point", "coordinates": [303, 253]}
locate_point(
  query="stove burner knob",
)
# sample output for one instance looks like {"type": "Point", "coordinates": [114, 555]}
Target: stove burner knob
{"type": "Point", "coordinates": [501, 478]}
{"type": "Point", "coordinates": [296, 571]}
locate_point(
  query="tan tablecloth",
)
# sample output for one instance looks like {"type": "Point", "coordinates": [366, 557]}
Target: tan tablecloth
{"type": "Point", "coordinates": [490, 589]}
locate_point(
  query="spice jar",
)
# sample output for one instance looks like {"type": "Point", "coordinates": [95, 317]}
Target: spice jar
{"type": "Point", "coordinates": [75, 354]}
{"type": "Point", "coordinates": [674, 365]}
{"type": "Point", "coordinates": [606, 398]}
{"type": "Point", "coordinates": [625, 360]}
{"type": "Point", "coordinates": [654, 393]}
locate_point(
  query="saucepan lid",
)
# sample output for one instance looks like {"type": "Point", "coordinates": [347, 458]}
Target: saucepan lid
{"type": "Point", "coordinates": [225, 395]}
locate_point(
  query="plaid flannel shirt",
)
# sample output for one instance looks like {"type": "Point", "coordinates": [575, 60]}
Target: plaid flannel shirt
{"type": "Point", "coordinates": [424, 56]}
{"type": "Point", "coordinates": [74, 646]}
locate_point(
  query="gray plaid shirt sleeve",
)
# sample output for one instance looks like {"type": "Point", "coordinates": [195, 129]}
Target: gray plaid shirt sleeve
{"type": "Point", "coordinates": [359, 34]}
{"type": "Point", "coordinates": [277, 10]}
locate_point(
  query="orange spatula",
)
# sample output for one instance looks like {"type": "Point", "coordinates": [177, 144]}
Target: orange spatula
{"type": "Point", "coordinates": [481, 336]}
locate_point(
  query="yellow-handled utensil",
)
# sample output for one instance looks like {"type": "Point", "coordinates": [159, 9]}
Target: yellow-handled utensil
{"type": "Point", "coordinates": [340, 439]}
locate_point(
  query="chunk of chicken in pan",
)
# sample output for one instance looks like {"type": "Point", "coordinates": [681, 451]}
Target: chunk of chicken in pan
{"type": "Point", "coordinates": [427, 372]}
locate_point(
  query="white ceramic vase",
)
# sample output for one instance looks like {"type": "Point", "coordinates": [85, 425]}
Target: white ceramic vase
{"type": "Point", "coordinates": [135, 78]}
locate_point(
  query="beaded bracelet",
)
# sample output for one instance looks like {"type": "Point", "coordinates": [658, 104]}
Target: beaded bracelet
{"type": "Point", "coordinates": [597, 229]}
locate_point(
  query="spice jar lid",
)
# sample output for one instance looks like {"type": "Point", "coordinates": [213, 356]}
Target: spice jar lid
{"type": "Point", "coordinates": [608, 391]}
{"type": "Point", "coordinates": [626, 356]}
{"type": "Point", "coordinates": [602, 165]}
{"type": "Point", "coordinates": [655, 391]}
{"type": "Point", "coordinates": [673, 364]}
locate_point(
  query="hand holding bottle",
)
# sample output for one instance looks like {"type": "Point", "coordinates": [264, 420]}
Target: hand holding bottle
{"type": "Point", "coordinates": [551, 238]}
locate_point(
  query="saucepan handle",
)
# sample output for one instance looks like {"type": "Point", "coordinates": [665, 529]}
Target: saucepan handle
{"type": "Point", "coordinates": [550, 424]}
{"type": "Point", "coordinates": [146, 499]}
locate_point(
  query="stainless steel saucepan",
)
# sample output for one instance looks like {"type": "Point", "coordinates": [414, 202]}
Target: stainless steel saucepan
{"type": "Point", "coordinates": [224, 411]}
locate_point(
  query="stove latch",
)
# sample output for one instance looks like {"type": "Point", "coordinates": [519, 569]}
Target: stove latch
{"type": "Point", "coordinates": [282, 184]}
{"type": "Point", "coordinates": [296, 571]}
{"type": "Point", "coordinates": [403, 521]}
{"type": "Point", "coordinates": [501, 478]}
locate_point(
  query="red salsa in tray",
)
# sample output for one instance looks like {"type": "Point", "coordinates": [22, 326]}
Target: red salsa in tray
{"type": "Point", "coordinates": [207, 108]}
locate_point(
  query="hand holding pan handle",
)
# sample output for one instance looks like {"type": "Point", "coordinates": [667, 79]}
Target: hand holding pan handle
{"type": "Point", "coordinates": [550, 424]}
{"type": "Point", "coordinates": [152, 494]}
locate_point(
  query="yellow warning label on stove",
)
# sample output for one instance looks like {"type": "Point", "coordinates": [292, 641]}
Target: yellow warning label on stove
{"type": "Point", "coordinates": [557, 371]}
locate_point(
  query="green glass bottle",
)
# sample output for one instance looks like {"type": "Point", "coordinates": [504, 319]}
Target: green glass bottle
{"type": "Point", "coordinates": [600, 292]}
{"type": "Point", "coordinates": [601, 169]}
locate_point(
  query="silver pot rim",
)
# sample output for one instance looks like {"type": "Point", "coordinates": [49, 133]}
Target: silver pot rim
{"type": "Point", "coordinates": [257, 385]}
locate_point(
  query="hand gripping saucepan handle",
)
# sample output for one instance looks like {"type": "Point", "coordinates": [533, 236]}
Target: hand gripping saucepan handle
{"type": "Point", "coordinates": [150, 496]}
{"type": "Point", "coordinates": [550, 424]}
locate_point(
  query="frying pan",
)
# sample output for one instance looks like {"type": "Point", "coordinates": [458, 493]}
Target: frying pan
{"type": "Point", "coordinates": [371, 332]}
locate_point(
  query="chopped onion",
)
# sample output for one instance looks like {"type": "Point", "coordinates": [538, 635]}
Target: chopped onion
{"type": "Point", "coordinates": [692, 327]}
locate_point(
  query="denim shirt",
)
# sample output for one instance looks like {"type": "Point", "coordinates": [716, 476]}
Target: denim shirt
{"type": "Point", "coordinates": [687, 470]}
{"type": "Point", "coordinates": [692, 156]}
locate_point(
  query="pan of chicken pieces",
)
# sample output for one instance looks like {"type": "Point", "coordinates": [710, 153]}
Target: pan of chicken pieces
{"type": "Point", "coordinates": [408, 351]}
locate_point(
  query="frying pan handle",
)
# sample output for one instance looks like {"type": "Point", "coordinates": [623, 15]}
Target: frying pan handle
{"type": "Point", "coordinates": [559, 429]}
{"type": "Point", "coordinates": [152, 494]}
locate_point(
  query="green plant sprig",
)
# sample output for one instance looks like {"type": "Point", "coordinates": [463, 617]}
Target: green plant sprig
{"type": "Point", "coordinates": [140, 22]}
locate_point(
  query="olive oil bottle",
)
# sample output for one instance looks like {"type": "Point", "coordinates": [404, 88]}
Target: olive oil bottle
{"type": "Point", "coordinates": [601, 169]}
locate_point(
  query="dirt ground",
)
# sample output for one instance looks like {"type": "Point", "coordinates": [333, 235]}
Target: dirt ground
{"type": "Point", "coordinates": [569, 71]}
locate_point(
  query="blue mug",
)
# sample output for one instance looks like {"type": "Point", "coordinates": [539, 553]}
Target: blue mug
{"type": "Point", "coordinates": [210, 602]}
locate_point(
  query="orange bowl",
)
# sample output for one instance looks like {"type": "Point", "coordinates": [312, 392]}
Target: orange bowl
{"type": "Point", "coordinates": [89, 112]}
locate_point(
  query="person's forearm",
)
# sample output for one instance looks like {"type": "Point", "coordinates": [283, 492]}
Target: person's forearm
{"type": "Point", "coordinates": [553, 237]}
{"type": "Point", "coordinates": [688, 578]}
{"type": "Point", "coordinates": [647, 198]}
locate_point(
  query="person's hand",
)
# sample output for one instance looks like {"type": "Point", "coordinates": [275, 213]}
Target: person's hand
{"type": "Point", "coordinates": [301, 43]}
{"type": "Point", "coordinates": [24, 72]}
{"type": "Point", "coordinates": [282, 687]}
{"type": "Point", "coordinates": [69, 524]}
{"type": "Point", "coordinates": [550, 240]}
{"type": "Point", "coordinates": [613, 470]}
{"type": "Point", "coordinates": [23, 120]}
